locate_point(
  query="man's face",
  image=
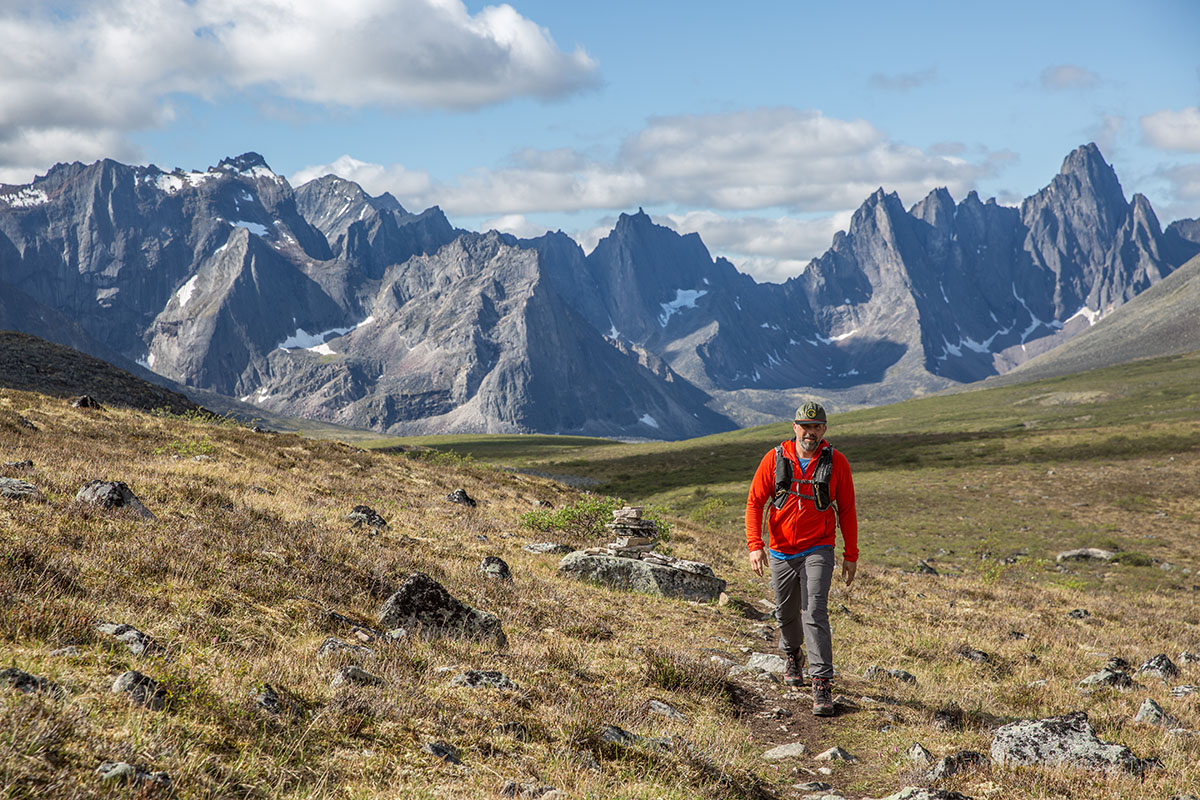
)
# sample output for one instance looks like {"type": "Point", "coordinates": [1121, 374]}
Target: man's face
{"type": "Point", "coordinates": [808, 434]}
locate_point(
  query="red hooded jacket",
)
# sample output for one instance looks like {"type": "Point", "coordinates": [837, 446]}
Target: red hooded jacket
{"type": "Point", "coordinates": [799, 526]}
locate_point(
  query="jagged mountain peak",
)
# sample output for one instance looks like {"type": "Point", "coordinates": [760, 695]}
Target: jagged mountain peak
{"type": "Point", "coordinates": [1086, 165]}
{"type": "Point", "coordinates": [246, 162]}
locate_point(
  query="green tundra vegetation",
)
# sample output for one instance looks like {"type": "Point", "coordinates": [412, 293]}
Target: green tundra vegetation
{"type": "Point", "coordinates": [251, 564]}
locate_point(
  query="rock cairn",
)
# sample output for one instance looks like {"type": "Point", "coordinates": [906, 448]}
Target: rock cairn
{"type": "Point", "coordinates": [631, 563]}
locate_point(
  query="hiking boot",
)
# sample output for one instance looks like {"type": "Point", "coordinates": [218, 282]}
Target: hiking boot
{"type": "Point", "coordinates": [822, 697]}
{"type": "Point", "coordinates": [793, 669]}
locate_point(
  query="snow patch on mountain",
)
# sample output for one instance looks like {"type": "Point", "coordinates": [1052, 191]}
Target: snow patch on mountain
{"type": "Point", "coordinates": [27, 197]}
{"type": "Point", "coordinates": [301, 339]}
{"type": "Point", "coordinates": [185, 292]}
{"type": "Point", "coordinates": [684, 298]}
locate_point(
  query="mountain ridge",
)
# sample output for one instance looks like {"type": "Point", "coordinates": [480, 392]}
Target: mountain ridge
{"type": "Point", "coordinates": [311, 300]}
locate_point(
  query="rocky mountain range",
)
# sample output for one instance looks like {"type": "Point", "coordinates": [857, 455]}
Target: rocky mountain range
{"type": "Point", "coordinates": [326, 302]}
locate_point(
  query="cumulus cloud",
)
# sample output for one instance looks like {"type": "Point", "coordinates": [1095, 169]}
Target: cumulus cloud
{"type": "Point", "coordinates": [769, 248]}
{"type": "Point", "coordinates": [375, 179]}
{"type": "Point", "coordinates": [1069, 76]}
{"type": "Point", "coordinates": [92, 71]}
{"type": "Point", "coordinates": [516, 224]}
{"type": "Point", "coordinates": [1173, 130]}
{"type": "Point", "coordinates": [800, 162]}
{"type": "Point", "coordinates": [904, 81]}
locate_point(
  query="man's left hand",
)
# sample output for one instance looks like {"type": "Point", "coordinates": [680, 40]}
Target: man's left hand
{"type": "Point", "coordinates": [848, 570]}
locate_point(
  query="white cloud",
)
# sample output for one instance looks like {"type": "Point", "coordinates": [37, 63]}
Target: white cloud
{"type": "Point", "coordinates": [516, 224]}
{"type": "Point", "coordinates": [375, 179]}
{"type": "Point", "coordinates": [90, 71]}
{"type": "Point", "coordinates": [777, 159]}
{"type": "Point", "coordinates": [798, 160]}
{"type": "Point", "coordinates": [770, 249]}
{"type": "Point", "coordinates": [1069, 76]}
{"type": "Point", "coordinates": [1173, 130]}
{"type": "Point", "coordinates": [904, 81]}
{"type": "Point", "coordinates": [424, 53]}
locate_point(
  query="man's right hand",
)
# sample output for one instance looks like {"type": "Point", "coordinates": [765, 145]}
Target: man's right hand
{"type": "Point", "coordinates": [757, 559]}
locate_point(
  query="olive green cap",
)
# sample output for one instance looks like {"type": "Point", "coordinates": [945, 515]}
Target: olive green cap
{"type": "Point", "coordinates": [811, 413]}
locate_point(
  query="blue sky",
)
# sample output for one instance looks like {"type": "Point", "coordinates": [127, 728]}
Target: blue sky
{"type": "Point", "coordinates": [761, 126]}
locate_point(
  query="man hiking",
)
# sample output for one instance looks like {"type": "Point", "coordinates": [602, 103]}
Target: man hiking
{"type": "Point", "coordinates": [810, 491]}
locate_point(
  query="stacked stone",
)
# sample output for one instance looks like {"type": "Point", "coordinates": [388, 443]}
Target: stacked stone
{"type": "Point", "coordinates": [634, 535]}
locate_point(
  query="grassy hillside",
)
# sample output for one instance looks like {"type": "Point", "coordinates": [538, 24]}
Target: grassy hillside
{"type": "Point", "coordinates": [251, 564]}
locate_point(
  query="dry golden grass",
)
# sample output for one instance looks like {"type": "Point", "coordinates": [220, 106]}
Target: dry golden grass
{"type": "Point", "coordinates": [251, 550]}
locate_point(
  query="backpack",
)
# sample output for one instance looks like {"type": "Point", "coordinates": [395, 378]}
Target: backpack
{"type": "Point", "coordinates": [819, 482]}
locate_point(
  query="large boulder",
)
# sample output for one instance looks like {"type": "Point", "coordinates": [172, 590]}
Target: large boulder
{"type": "Point", "coordinates": [1068, 740]}
{"type": "Point", "coordinates": [112, 494]}
{"type": "Point", "coordinates": [16, 489]}
{"type": "Point", "coordinates": [684, 579]}
{"type": "Point", "coordinates": [422, 605]}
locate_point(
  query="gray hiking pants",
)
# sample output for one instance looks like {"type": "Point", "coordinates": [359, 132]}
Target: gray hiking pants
{"type": "Point", "coordinates": [801, 587]}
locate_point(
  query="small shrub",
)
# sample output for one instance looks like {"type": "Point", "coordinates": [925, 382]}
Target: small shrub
{"type": "Point", "coordinates": [584, 519]}
{"type": "Point", "coordinates": [1132, 558]}
{"type": "Point", "coordinates": [675, 671]}
{"type": "Point", "coordinates": [187, 449]}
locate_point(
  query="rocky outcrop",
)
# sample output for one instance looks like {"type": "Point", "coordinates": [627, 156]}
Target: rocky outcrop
{"type": "Point", "coordinates": [686, 580]}
{"type": "Point", "coordinates": [423, 606]}
{"type": "Point", "coordinates": [1068, 740]}
{"type": "Point", "coordinates": [112, 494]}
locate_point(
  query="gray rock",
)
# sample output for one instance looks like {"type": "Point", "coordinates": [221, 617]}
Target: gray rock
{"type": "Point", "coordinates": [112, 494]}
{"type": "Point", "coordinates": [954, 764]}
{"type": "Point", "coordinates": [767, 662]}
{"type": "Point", "coordinates": [423, 605]}
{"type": "Point", "coordinates": [1151, 713]}
{"type": "Point", "coordinates": [484, 679]}
{"type": "Point", "coordinates": [1189, 658]}
{"type": "Point", "coordinates": [664, 710]}
{"type": "Point", "coordinates": [142, 690]}
{"type": "Point", "coordinates": [813, 786]}
{"type": "Point", "coordinates": [495, 568]}
{"type": "Point", "coordinates": [26, 464]}
{"type": "Point", "coordinates": [875, 672]}
{"type": "Point", "coordinates": [69, 651]}
{"type": "Point", "coordinates": [355, 676]}
{"type": "Point", "coordinates": [15, 489]}
{"type": "Point", "coordinates": [631, 574]}
{"type": "Point", "coordinates": [791, 750]}
{"type": "Point", "coordinates": [1107, 677]}
{"type": "Point", "coordinates": [835, 754]}
{"type": "Point", "coordinates": [921, 793]}
{"type": "Point", "coordinates": [460, 496]}
{"type": "Point", "coordinates": [1086, 554]}
{"type": "Point", "coordinates": [525, 790]}
{"type": "Point", "coordinates": [121, 772]}
{"type": "Point", "coordinates": [1184, 689]}
{"type": "Point", "coordinates": [443, 750]}
{"type": "Point", "coordinates": [366, 516]}
{"type": "Point", "coordinates": [23, 681]}
{"type": "Point", "coordinates": [1079, 613]}
{"type": "Point", "coordinates": [925, 568]}
{"type": "Point", "coordinates": [550, 548]}
{"type": "Point", "coordinates": [947, 719]}
{"type": "Point", "coordinates": [613, 734]}
{"type": "Point", "coordinates": [335, 646]}
{"type": "Point", "coordinates": [1068, 740]}
{"type": "Point", "coordinates": [1159, 666]}
{"type": "Point", "coordinates": [918, 754]}
{"type": "Point", "coordinates": [978, 656]}
{"type": "Point", "coordinates": [86, 401]}
{"type": "Point", "coordinates": [138, 643]}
